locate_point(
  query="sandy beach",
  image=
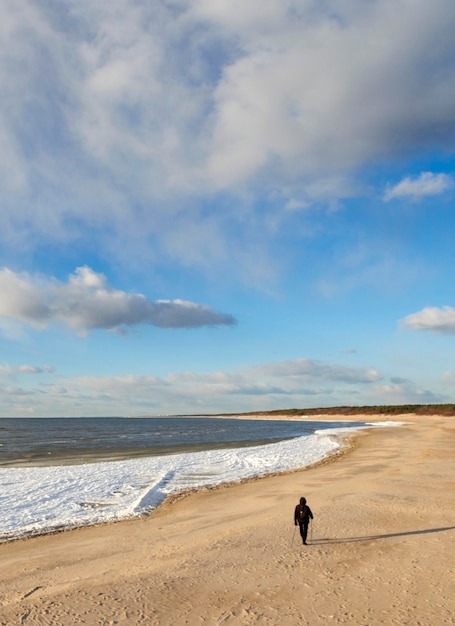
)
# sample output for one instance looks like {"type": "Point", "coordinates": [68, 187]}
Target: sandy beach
{"type": "Point", "coordinates": [381, 547]}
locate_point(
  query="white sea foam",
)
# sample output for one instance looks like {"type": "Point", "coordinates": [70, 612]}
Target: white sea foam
{"type": "Point", "coordinates": [37, 500]}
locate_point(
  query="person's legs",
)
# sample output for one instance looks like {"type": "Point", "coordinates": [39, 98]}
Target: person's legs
{"type": "Point", "coordinates": [304, 532]}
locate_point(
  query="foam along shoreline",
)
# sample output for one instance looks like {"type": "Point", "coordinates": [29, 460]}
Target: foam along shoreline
{"type": "Point", "coordinates": [44, 499]}
{"type": "Point", "coordinates": [381, 550]}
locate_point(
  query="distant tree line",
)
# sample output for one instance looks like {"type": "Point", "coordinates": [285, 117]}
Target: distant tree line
{"type": "Point", "coordinates": [399, 409]}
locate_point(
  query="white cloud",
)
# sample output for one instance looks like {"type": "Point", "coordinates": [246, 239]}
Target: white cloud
{"type": "Point", "coordinates": [427, 184]}
{"type": "Point", "coordinates": [148, 107]}
{"type": "Point", "coordinates": [312, 369]}
{"type": "Point", "coordinates": [440, 320]}
{"type": "Point", "coordinates": [405, 394]}
{"type": "Point", "coordinates": [26, 369]}
{"type": "Point", "coordinates": [88, 302]}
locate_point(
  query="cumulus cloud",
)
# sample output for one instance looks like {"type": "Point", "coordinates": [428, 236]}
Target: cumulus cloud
{"type": "Point", "coordinates": [427, 184]}
{"type": "Point", "coordinates": [440, 320]}
{"type": "Point", "coordinates": [313, 369]}
{"type": "Point", "coordinates": [88, 302]}
{"type": "Point", "coordinates": [150, 106]}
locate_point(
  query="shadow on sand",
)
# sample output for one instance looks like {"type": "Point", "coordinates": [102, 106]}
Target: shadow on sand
{"type": "Point", "coordinates": [328, 540]}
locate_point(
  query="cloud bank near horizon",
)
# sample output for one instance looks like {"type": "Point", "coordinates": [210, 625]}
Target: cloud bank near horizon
{"type": "Point", "coordinates": [87, 302]}
{"type": "Point", "coordinates": [277, 384]}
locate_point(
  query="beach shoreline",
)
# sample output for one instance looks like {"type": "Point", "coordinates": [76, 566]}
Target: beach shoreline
{"type": "Point", "coordinates": [41, 498]}
{"type": "Point", "coordinates": [382, 550]}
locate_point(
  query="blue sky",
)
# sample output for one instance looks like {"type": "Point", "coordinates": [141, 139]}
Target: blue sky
{"type": "Point", "coordinates": [216, 206]}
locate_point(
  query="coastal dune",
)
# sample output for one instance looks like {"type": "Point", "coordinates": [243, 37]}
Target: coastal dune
{"type": "Point", "coordinates": [380, 547]}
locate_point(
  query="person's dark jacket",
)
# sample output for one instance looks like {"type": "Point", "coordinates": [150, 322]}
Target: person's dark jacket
{"type": "Point", "coordinates": [302, 514]}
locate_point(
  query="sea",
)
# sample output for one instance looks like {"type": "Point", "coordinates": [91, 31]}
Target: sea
{"type": "Point", "coordinates": [61, 473]}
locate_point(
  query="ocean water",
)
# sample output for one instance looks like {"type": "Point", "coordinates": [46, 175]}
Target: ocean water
{"type": "Point", "coordinates": [50, 441]}
{"type": "Point", "coordinates": [65, 473]}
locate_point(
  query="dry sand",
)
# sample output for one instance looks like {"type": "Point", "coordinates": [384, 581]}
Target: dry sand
{"type": "Point", "coordinates": [382, 550]}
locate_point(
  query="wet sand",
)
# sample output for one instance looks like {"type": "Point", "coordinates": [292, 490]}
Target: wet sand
{"type": "Point", "coordinates": [381, 548]}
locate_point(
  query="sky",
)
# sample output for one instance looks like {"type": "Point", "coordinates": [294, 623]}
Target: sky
{"type": "Point", "coordinates": [225, 206]}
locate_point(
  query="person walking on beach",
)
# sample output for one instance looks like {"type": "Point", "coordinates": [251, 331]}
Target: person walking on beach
{"type": "Point", "coordinates": [302, 515]}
